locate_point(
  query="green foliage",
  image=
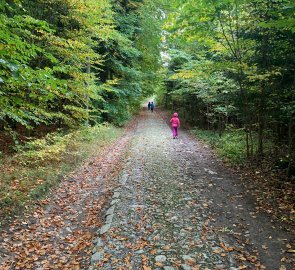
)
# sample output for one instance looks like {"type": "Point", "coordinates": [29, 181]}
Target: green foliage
{"type": "Point", "coordinates": [58, 57]}
{"type": "Point", "coordinates": [132, 59]}
{"type": "Point", "coordinates": [38, 85]}
{"type": "Point", "coordinates": [232, 62]}
{"type": "Point", "coordinates": [40, 164]}
{"type": "Point", "coordinates": [230, 146]}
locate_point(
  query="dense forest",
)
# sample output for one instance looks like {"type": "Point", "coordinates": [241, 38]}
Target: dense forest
{"type": "Point", "coordinates": [71, 72]}
{"type": "Point", "coordinates": [90, 178]}
{"type": "Point", "coordinates": [65, 62]}
{"type": "Point", "coordinates": [68, 67]}
{"type": "Point", "coordinates": [231, 69]}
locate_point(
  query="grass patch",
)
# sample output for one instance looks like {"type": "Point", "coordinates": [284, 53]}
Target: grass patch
{"type": "Point", "coordinates": [40, 164]}
{"type": "Point", "coordinates": [231, 146]}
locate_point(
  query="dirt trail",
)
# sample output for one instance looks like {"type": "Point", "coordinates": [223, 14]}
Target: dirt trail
{"type": "Point", "coordinates": [149, 202]}
{"type": "Point", "coordinates": [59, 234]}
{"type": "Point", "coordinates": [178, 208]}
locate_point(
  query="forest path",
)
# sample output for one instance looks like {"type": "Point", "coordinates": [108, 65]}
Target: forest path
{"type": "Point", "coordinates": [177, 207]}
{"type": "Point", "coordinates": [157, 203]}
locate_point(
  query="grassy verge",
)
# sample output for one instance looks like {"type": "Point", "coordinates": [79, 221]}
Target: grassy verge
{"type": "Point", "coordinates": [231, 146]}
{"type": "Point", "coordinates": [40, 164]}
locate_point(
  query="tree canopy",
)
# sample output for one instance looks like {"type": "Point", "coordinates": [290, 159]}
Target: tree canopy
{"type": "Point", "coordinates": [232, 62]}
{"type": "Point", "coordinates": [66, 62]}
{"type": "Point", "coordinates": [224, 63]}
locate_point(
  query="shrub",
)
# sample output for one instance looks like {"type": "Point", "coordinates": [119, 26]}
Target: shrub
{"type": "Point", "coordinates": [40, 163]}
{"type": "Point", "coordinates": [230, 146]}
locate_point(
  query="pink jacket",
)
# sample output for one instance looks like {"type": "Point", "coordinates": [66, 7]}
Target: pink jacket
{"type": "Point", "coordinates": [174, 121]}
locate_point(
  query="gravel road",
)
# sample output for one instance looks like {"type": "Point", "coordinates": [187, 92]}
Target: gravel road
{"type": "Point", "coordinates": [177, 207]}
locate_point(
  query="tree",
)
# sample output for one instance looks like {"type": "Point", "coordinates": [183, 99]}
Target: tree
{"type": "Point", "coordinates": [244, 48]}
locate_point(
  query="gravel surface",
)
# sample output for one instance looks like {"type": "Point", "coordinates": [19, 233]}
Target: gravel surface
{"type": "Point", "coordinates": [149, 202]}
{"type": "Point", "coordinates": [176, 207]}
{"type": "Point", "coordinates": [58, 233]}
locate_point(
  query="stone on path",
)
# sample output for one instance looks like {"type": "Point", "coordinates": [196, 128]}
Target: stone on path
{"type": "Point", "coordinates": [111, 210]}
{"type": "Point", "coordinates": [160, 258]}
{"type": "Point", "coordinates": [105, 228]}
{"type": "Point", "coordinates": [185, 267]}
{"type": "Point", "coordinates": [96, 257]}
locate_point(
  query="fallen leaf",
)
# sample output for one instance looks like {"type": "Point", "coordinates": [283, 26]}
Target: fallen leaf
{"type": "Point", "coordinates": [190, 262]}
{"type": "Point", "coordinates": [166, 247]}
{"type": "Point", "coordinates": [288, 246]}
{"type": "Point", "coordinates": [243, 267]}
{"type": "Point", "coordinates": [144, 267]}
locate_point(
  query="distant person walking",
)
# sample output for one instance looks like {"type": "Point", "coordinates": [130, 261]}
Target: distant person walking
{"type": "Point", "coordinates": [152, 106]}
{"type": "Point", "coordinates": [149, 105]}
{"type": "Point", "coordinates": [175, 124]}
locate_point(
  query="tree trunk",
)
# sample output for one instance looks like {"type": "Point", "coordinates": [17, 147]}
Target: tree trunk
{"type": "Point", "coordinates": [2, 125]}
{"type": "Point", "coordinates": [290, 146]}
{"type": "Point", "coordinates": [260, 135]}
{"type": "Point", "coordinates": [247, 143]}
{"type": "Point", "coordinates": [251, 140]}
{"type": "Point", "coordinates": [88, 70]}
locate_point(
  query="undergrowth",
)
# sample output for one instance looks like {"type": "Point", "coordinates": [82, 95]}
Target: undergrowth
{"type": "Point", "coordinates": [40, 164]}
{"type": "Point", "coordinates": [231, 146]}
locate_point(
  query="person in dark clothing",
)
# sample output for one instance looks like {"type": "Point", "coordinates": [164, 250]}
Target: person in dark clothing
{"type": "Point", "coordinates": [152, 106]}
{"type": "Point", "coordinates": [149, 105]}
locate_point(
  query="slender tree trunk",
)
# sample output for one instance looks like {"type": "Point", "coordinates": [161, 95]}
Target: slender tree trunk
{"type": "Point", "coordinates": [251, 140]}
{"type": "Point", "coordinates": [265, 66]}
{"type": "Point", "coordinates": [290, 141]}
{"type": "Point", "coordinates": [260, 134]}
{"type": "Point", "coordinates": [88, 70]}
{"type": "Point", "coordinates": [290, 146]}
{"type": "Point", "coordinates": [220, 125]}
{"type": "Point", "coordinates": [2, 124]}
{"type": "Point", "coordinates": [208, 121]}
{"type": "Point", "coordinates": [247, 143]}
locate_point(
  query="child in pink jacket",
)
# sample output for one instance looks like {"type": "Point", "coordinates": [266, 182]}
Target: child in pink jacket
{"type": "Point", "coordinates": [175, 124]}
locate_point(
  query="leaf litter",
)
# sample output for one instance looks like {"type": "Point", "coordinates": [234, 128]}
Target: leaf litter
{"type": "Point", "coordinates": [185, 214]}
{"type": "Point", "coordinates": [60, 231]}
{"type": "Point", "coordinates": [190, 218]}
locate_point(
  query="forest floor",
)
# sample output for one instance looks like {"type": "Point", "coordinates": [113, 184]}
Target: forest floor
{"type": "Point", "coordinates": [149, 202]}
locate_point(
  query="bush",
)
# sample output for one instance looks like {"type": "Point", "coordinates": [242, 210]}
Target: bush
{"type": "Point", "coordinates": [39, 164]}
{"type": "Point", "coordinates": [230, 146]}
